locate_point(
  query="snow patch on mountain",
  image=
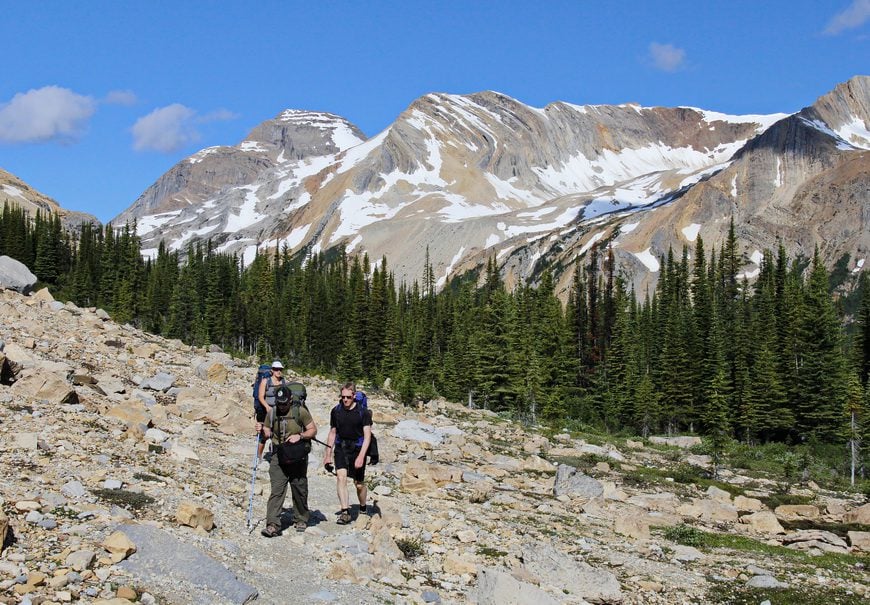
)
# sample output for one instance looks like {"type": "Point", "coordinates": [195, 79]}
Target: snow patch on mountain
{"type": "Point", "coordinates": [150, 222]}
{"type": "Point", "coordinates": [248, 214]}
{"type": "Point", "coordinates": [691, 232]}
{"type": "Point", "coordinates": [456, 258]}
{"type": "Point", "coordinates": [14, 191]}
{"type": "Point", "coordinates": [648, 259]}
{"type": "Point", "coordinates": [855, 133]}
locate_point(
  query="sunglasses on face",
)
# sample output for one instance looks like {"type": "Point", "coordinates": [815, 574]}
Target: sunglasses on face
{"type": "Point", "coordinates": [347, 396]}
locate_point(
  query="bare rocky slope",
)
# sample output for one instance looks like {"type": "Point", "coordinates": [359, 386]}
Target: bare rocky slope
{"type": "Point", "coordinates": [126, 466]}
{"type": "Point", "coordinates": [15, 192]}
{"type": "Point", "coordinates": [470, 177]}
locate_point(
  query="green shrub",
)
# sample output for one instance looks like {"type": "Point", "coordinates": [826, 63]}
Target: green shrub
{"type": "Point", "coordinates": [410, 547]}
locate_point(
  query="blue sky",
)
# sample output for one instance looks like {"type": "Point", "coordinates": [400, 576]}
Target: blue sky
{"type": "Point", "coordinates": [99, 99]}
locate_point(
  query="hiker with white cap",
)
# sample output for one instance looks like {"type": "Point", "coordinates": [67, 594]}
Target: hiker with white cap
{"type": "Point", "coordinates": [267, 395]}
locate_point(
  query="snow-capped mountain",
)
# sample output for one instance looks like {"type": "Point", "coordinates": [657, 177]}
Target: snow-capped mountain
{"type": "Point", "coordinates": [482, 175]}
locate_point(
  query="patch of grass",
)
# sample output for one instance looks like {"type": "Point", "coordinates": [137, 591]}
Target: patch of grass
{"type": "Point", "coordinates": [683, 474]}
{"type": "Point", "coordinates": [491, 553]}
{"type": "Point", "coordinates": [733, 593]}
{"type": "Point", "coordinates": [147, 477]}
{"type": "Point", "coordinates": [20, 408]}
{"type": "Point", "coordinates": [64, 512]}
{"type": "Point", "coordinates": [159, 472]}
{"type": "Point", "coordinates": [692, 536]}
{"type": "Point", "coordinates": [124, 498]}
{"type": "Point", "coordinates": [774, 500]}
{"type": "Point", "coordinates": [410, 547]}
{"type": "Point", "coordinates": [840, 529]}
{"type": "Point", "coordinates": [584, 461]}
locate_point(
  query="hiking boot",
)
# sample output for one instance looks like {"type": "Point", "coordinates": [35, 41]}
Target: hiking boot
{"type": "Point", "coordinates": [270, 531]}
{"type": "Point", "coordinates": [344, 517]}
{"type": "Point", "coordinates": [301, 526]}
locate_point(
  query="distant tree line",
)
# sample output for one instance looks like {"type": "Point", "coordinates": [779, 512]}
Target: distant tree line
{"type": "Point", "coordinates": [706, 352]}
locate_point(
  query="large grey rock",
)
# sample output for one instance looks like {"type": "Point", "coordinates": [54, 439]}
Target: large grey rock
{"type": "Point", "coordinates": [159, 382]}
{"type": "Point", "coordinates": [14, 275]}
{"type": "Point", "coordinates": [573, 483]}
{"type": "Point", "coordinates": [412, 430]}
{"type": "Point", "coordinates": [498, 588]}
{"type": "Point", "coordinates": [575, 578]}
{"type": "Point", "coordinates": [160, 556]}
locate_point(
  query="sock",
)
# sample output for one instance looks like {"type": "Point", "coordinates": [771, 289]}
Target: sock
{"type": "Point", "coordinates": [362, 508]}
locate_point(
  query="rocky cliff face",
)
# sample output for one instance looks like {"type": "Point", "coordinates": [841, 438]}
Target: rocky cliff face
{"type": "Point", "coordinates": [482, 175]}
{"type": "Point", "coordinates": [16, 192]}
{"type": "Point", "coordinates": [126, 472]}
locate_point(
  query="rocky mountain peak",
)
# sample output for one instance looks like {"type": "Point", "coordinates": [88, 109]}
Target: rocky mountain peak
{"type": "Point", "coordinates": [15, 192]}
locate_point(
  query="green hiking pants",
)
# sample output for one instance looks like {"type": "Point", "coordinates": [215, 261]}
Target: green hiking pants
{"type": "Point", "coordinates": [279, 476]}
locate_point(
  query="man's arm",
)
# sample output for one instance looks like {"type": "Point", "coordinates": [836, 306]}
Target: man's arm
{"type": "Point", "coordinates": [330, 443]}
{"type": "Point", "coordinates": [367, 439]}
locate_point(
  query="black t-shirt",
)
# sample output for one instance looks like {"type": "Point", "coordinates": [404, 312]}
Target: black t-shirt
{"type": "Point", "coordinates": [349, 424]}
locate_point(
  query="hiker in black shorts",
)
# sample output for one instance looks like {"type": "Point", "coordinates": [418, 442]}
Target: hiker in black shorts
{"type": "Point", "coordinates": [350, 433]}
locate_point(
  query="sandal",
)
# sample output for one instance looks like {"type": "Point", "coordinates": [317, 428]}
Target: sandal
{"type": "Point", "coordinates": [344, 518]}
{"type": "Point", "coordinates": [270, 531]}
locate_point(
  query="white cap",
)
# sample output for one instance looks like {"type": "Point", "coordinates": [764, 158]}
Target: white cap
{"type": "Point", "coordinates": [277, 365]}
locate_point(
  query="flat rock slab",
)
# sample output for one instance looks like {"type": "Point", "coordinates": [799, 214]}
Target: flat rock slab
{"type": "Point", "coordinates": [160, 557]}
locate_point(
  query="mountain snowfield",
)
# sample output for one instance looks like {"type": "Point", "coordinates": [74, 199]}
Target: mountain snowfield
{"type": "Point", "coordinates": [469, 177]}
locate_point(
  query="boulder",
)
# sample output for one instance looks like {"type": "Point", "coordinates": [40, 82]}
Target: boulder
{"type": "Point", "coordinates": [163, 560]}
{"type": "Point", "coordinates": [632, 526]}
{"type": "Point", "coordinates": [574, 483]}
{"type": "Point", "coordinates": [709, 510]}
{"type": "Point", "coordinates": [748, 505]}
{"type": "Point", "coordinates": [764, 522]}
{"type": "Point", "coordinates": [417, 478]}
{"type": "Point", "coordinates": [159, 382]}
{"type": "Point", "coordinates": [43, 295]}
{"type": "Point", "coordinates": [458, 565]}
{"type": "Point", "coordinates": [797, 512]}
{"type": "Point", "coordinates": [498, 588]}
{"type": "Point", "coordinates": [719, 495]}
{"type": "Point", "coordinates": [412, 430]}
{"type": "Point", "coordinates": [193, 515]}
{"type": "Point", "coordinates": [43, 386]}
{"type": "Point", "coordinates": [575, 578]}
{"type": "Point", "coordinates": [14, 275]}
{"type": "Point", "coordinates": [119, 546]}
{"type": "Point", "coordinates": [212, 371]}
{"type": "Point", "coordinates": [681, 442]}
{"type": "Point", "coordinates": [860, 540]}
{"type": "Point", "coordinates": [860, 515]}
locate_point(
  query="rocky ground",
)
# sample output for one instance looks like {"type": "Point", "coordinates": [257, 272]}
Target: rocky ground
{"type": "Point", "coordinates": [127, 465]}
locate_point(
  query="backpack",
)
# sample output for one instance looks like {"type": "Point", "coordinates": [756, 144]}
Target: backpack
{"type": "Point", "coordinates": [362, 402]}
{"type": "Point", "coordinates": [294, 391]}
{"type": "Point", "coordinates": [264, 372]}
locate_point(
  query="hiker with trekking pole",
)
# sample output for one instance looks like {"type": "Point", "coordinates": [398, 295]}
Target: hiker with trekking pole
{"type": "Point", "coordinates": [291, 428]}
{"type": "Point", "coordinates": [348, 444]}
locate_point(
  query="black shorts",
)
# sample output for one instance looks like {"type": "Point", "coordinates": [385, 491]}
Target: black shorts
{"type": "Point", "coordinates": [344, 459]}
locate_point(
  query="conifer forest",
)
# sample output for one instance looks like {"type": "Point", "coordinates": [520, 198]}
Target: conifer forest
{"type": "Point", "coordinates": [776, 359]}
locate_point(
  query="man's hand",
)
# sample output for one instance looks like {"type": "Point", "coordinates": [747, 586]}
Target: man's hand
{"type": "Point", "coordinates": [266, 432]}
{"type": "Point", "coordinates": [360, 460]}
{"type": "Point", "coordinates": [295, 438]}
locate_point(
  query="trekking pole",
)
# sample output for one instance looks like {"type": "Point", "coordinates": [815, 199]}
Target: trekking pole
{"type": "Point", "coordinates": [255, 464]}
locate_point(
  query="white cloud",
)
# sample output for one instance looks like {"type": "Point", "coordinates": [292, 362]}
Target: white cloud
{"type": "Point", "coordinates": [170, 128]}
{"type": "Point", "coordinates": [121, 97]}
{"type": "Point", "coordinates": [666, 57]}
{"type": "Point", "coordinates": [43, 114]}
{"type": "Point", "coordinates": [219, 115]}
{"type": "Point", "coordinates": [854, 15]}
{"type": "Point", "coordinates": [165, 129]}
